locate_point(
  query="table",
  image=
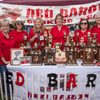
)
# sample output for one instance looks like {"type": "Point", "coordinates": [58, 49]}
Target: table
{"type": "Point", "coordinates": [36, 79]}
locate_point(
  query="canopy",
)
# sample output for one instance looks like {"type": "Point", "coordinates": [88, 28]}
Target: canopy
{"type": "Point", "coordinates": [47, 2]}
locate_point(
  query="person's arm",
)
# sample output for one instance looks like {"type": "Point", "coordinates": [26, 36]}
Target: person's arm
{"type": "Point", "coordinates": [31, 36]}
{"type": "Point", "coordinates": [2, 56]}
{"type": "Point", "coordinates": [67, 40]}
{"type": "Point", "coordinates": [6, 62]}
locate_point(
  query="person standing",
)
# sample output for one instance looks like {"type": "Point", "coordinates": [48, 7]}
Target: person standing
{"type": "Point", "coordinates": [96, 28]}
{"type": "Point", "coordinates": [57, 31]}
{"type": "Point", "coordinates": [7, 42]}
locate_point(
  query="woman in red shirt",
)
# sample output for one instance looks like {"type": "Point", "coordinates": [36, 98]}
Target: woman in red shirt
{"type": "Point", "coordinates": [7, 42]}
{"type": "Point", "coordinates": [18, 33]}
{"type": "Point", "coordinates": [59, 30]}
{"type": "Point", "coordinates": [84, 26]}
{"type": "Point", "coordinates": [33, 36]}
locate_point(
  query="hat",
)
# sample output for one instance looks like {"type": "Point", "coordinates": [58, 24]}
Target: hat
{"type": "Point", "coordinates": [18, 20]}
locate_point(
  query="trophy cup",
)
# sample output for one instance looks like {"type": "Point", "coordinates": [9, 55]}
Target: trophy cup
{"type": "Point", "coordinates": [36, 56]}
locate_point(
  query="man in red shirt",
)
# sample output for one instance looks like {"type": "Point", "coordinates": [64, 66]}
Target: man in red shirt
{"type": "Point", "coordinates": [96, 28]}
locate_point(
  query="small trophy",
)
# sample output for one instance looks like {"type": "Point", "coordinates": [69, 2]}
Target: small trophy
{"type": "Point", "coordinates": [36, 56]}
{"type": "Point", "coordinates": [89, 42]}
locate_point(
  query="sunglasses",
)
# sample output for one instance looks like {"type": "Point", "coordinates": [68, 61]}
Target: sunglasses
{"type": "Point", "coordinates": [83, 23]}
{"type": "Point", "coordinates": [19, 23]}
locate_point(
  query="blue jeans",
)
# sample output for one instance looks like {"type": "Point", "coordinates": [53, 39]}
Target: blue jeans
{"type": "Point", "coordinates": [3, 68]}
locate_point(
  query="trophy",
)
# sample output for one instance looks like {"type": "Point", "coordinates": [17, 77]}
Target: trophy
{"type": "Point", "coordinates": [71, 35]}
{"type": "Point", "coordinates": [46, 39]}
{"type": "Point", "coordinates": [71, 51]}
{"type": "Point", "coordinates": [88, 53]}
{"type": "Point", "coordinates": [36, 56]}
{"type": "Point", "coordinates": [60, 57]}
{"type": "Point", "coordinates": [26, 47]}
{"type": "Point", "coordinates": [49, 55]}
{"type": "Point", "coordinates": [38, 35]}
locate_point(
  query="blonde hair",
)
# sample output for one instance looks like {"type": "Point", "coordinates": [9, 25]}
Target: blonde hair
{"type": "Point", "coordinates": [4, 21]}
{"type": "Point", "coordinates": [42, 25]}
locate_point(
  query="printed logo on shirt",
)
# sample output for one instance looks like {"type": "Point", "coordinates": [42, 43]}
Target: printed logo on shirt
{"type": "Point", "coordinates": [85, 35]}
{"type": "Point", "coordinates": [11, 37]}
{"type": "Point", "coordinates": [41, 37]}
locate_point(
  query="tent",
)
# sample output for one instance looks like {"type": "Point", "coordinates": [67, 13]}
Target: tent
{"type": "Point", "coordinates": [47, 2]}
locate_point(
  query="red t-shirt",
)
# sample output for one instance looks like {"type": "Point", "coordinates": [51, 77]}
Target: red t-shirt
{"type": "Point", "coordinates": [19, 37]}
{"type": "Point", "coordinates": [96, 29]}
{"type": "Point", "coordinates": [85, 35]}
{"type": "Point", "coordinates": [58, 36]}
{"type": "Point", "coordinates": [5, 45]}
{"type": "Point", "coordinates": [42, 41]}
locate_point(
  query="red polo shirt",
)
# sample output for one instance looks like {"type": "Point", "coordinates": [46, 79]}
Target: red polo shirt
{"type": "Point", "coordinates": [5, 45]}
{"type": "Point", "coordinates": [58, 36]}
{"type": "Point", "coordinates": [81, 34]}
{"type": "Point", "coordinates": [31, 34]}
{"type": "Point", "coordinates": [96, 29]}
{"type": "Point", "coordinates": [19, 37]}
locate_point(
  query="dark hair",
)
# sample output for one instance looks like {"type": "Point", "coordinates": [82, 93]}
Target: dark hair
{"type": "Point", "coordinates": [87, 23]}
{"type": "Point", "coordinates": [60, 16]}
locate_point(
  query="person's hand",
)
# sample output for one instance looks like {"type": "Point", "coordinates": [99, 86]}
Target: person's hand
{"type": "Point", "coordinates": [35, 36]}
{"type": "Point", "coordinates": [7, 62]}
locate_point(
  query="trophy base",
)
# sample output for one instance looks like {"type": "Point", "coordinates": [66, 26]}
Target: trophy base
{"type": "Point", "coordinates": [88, 64]}
{"type": "Point", "coordinates": [50, 64]}
{"type": "Point", "coordinates": [61, 62]}
{"type": "Point", "coordinates": [72, 64]}
{"type": "Point", "coordinates": [36, 64]}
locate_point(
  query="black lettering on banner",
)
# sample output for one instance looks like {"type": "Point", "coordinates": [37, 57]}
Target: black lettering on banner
{"type": "Point", "coordinates": [52, 78]}
{"type": "Point", "coordinates": [91, 81]}
{"type": "Point", "coordinates": [9, 74]}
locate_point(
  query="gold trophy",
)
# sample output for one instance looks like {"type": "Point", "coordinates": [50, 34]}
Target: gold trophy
{"type": "Point", "coordinates": [36, 56]}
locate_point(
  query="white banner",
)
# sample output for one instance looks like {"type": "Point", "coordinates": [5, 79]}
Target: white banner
{"type": "Point", "coordinates": [72, 13]}
{"type": "Point", "coordinates": [85, 82]}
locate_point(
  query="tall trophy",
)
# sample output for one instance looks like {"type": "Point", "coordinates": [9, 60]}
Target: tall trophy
{"type": "Point", "coordinates": [88, 52]}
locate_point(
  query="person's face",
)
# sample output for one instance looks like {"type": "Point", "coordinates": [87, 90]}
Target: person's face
{"type": "Point", "coordinates": [97, 19]}
{"type": "Point", "coordinates": [19, 25]}
{"type": "Point", "coordinates": [38, 23]}
{"type": "Point", "coordinates": [84, 24]}
{"type": "Point", "coordinates": [5, 28]}
{"type": "Point", "coordinates": [59, 20]}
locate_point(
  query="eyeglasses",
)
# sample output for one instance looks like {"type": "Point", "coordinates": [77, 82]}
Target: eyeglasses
{"type": "Point", "coordinates": [19, 23]}
{"type": "Point", "coordinates": [83, 23]}
{"type": "Point", "coordinates": [5, 26]}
